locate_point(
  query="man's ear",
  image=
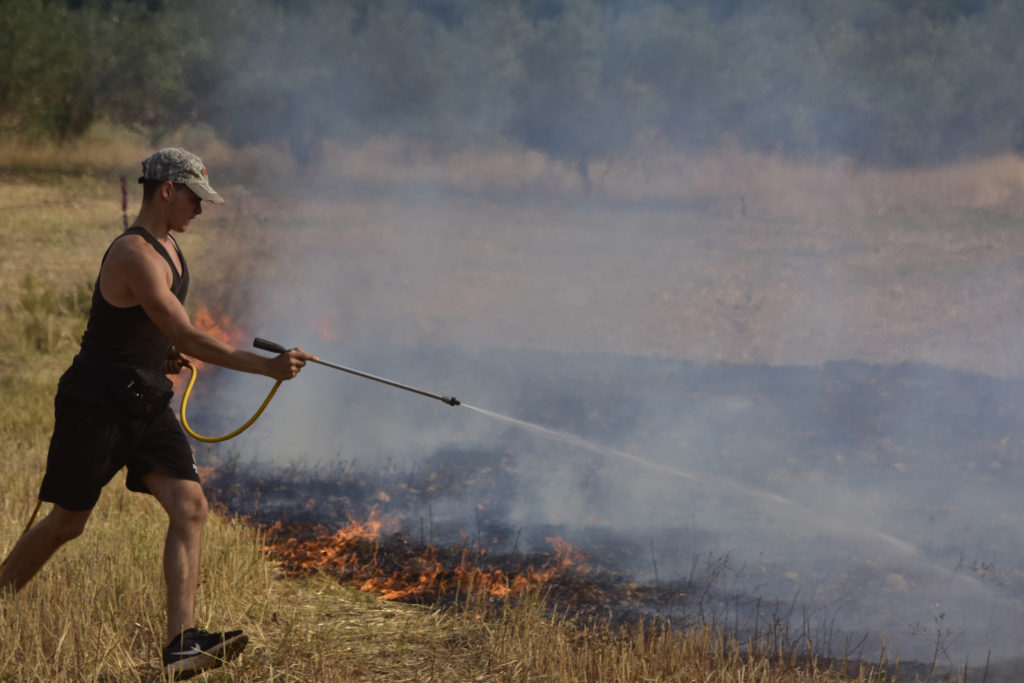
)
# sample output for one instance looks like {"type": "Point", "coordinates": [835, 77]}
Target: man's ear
{"type": "Point", "coordinates": [166, 189]}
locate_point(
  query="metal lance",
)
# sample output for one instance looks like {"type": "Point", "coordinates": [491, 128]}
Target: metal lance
{"type": "Point", "coordinates": [266, 345]}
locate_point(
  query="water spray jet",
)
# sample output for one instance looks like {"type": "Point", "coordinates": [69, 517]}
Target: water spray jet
{"type": "Point", "coordinates": [724, 484]}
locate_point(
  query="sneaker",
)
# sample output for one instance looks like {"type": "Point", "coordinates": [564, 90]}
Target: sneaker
{"type": "Point", "coordinates": [195, 651]}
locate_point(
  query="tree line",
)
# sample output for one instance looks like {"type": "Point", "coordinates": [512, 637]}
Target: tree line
{"type": "Point", "coordinates": [884, 82]}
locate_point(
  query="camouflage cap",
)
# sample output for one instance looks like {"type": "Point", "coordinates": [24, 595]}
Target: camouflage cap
{"type": "Point", "coordinates": [180, 166]}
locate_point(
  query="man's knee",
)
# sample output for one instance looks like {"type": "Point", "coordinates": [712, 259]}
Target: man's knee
{"type": "Point", "coordinates": [64, 525]}
{"type": "Point", "coordinates": [194, 507]}
{"type": "Point", "coordinates": [189, 509]}
{"type": "Point", "coordinates": [183, 499]}
{"type": "Point", "coordinates": [184, 502]}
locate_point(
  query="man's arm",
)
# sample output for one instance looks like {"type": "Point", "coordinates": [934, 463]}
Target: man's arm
{"type": "Point", "coordinates": [135, 272]}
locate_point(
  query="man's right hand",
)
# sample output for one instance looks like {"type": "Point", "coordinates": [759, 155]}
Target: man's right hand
{"type": "Point", "coordinates": [287, 365]}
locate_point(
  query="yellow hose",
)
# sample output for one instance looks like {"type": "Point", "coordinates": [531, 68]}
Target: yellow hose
{"type": "Point", "coordinates": [214, 439]}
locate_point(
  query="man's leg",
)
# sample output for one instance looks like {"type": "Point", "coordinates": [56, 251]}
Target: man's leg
{"type": "Point", "coordinates": [39, 543]}
{"type": "Point", "coordinates": [186, 509]}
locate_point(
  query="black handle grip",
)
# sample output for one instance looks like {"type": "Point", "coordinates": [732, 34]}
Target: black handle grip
{"type": "Point", "coordinates": [267, 345]}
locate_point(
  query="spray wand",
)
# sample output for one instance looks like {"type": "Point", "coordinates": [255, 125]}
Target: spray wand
{"type": "Point", "coordinates": [277, 348]}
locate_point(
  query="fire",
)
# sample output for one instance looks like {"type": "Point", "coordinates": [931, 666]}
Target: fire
{"type": "Point", "coordinates": [359, 554]}
{"type": "Point", "coordinates": [205, 473]}
{"type": "Point", "coordinates": [220, 326]}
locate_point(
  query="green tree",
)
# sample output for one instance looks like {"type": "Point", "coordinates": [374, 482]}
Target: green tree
{"type": "Point", "coordinates": [48, 67]}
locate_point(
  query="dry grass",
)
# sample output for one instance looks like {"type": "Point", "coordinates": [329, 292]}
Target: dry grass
{"type": "Point", "coordinates": [96, 611]}
{"type": "Point", "coordinates": [769, 186]}
{"type": "Point", "coordinates": [103, 148]}
{"type": "Point", "coordinates": [728, 181]}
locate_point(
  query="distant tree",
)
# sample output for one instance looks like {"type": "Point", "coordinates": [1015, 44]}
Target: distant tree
{"type": "Point", "coordinates": [149, 49]}
{"type": "Point", "coordinates": [48, 68]}
{"type": "Point", "coordinates": [274, 72]}
{"type": "Point", "coordinates": [893, 82]}
{"type": "Point", "coordinates": [569, 99]}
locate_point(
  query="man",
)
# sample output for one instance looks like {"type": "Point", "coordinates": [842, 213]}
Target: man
{"type": "Point", "coordinates": [112, 412]}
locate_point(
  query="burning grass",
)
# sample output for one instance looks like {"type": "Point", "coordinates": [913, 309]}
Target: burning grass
{"type": "Point", "coordinates": [373, 554]}
{"type": "Point", "coordinates": [512, 622]}
{"type": "Point", "coordinates": [397, 570]}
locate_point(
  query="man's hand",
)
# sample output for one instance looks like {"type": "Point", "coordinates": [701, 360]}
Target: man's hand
{"type": "Point", "coordinates": [288, 364]}
{"type": "Point", "coordinates": [174, 363]}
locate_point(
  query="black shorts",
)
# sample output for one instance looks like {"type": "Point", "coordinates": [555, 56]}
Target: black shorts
{"type": "Point", "coordinates": [90, 444]}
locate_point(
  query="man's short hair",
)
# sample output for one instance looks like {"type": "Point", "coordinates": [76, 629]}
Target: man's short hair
{"type": "Point", "coordinates": [149, 188]}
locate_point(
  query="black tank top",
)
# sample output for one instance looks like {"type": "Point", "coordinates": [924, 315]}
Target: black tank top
{"type": "Point", "coordinates": [127, 335]}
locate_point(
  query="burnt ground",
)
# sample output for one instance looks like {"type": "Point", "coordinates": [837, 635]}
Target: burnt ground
{"type": "Point", "coordinates": [863, 455]}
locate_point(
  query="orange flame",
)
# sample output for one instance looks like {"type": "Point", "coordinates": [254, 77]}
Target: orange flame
{"type": "Point", "coordinates": [220, 326]}
{"type": "Point", "coordinates": [354, 553]}
{"type": "Point", "coordinates": [205, 473]}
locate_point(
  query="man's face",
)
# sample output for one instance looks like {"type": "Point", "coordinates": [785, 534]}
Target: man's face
{"type": "Point", "coordinates": [184, 206]}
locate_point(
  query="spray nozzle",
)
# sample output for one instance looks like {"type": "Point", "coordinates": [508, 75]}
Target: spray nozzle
{"type": "Point", "coordinates": [451, 400]}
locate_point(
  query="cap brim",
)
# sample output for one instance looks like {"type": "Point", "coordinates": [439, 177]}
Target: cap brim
{"type": "Point", "coordinates": [205, 192]}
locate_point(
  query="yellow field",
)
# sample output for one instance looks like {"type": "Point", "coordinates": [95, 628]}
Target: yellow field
{"type": "Point", "coordinates": [96, 611]}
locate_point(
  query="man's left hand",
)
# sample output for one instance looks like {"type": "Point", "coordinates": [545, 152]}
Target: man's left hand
{"type": "Point", "coordinates": [174, 363]}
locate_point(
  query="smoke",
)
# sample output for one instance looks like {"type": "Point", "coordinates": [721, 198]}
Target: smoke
{"type": "Point", "coordinates": [881, 494]}
{"type": "Point", "coordinates": [826, 400]}
{"type": "Point", "coordinates": [877, 495]}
